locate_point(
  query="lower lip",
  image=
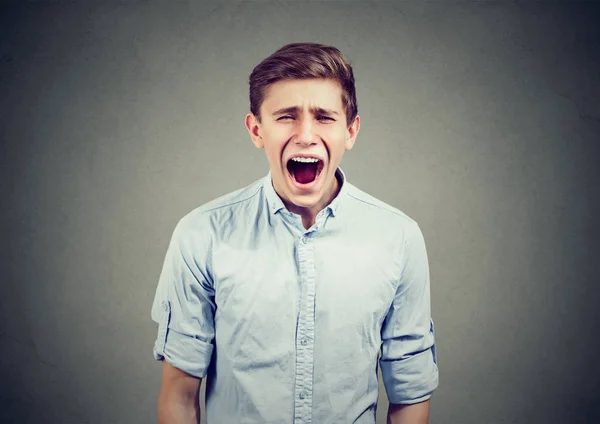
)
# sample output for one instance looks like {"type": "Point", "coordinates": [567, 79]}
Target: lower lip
{"type": "Point", "coordinates": [307, 186]}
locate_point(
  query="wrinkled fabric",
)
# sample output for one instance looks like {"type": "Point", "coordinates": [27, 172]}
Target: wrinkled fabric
{"type": "Point", "coordinates": [286, 324]}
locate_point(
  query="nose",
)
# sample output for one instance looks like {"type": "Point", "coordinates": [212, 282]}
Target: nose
{"type": "Point", "coordinates": [307, 134]}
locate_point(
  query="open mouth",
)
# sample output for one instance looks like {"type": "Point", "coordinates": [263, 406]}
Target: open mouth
{"type": "Point", "coordinates": [305, 170]}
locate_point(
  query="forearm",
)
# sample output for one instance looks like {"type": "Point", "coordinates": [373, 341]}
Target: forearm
{"type": "Point", "coordinates": [174, 409]}
{"type": "Point", "coordinates": [417, 413]}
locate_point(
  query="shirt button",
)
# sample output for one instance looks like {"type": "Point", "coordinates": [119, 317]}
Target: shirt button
{"type": "Point", "coordinates": [302, 395]}
{"type": "Point", "coordinates": [303, 342]}
{"type": "Point", "coordinates": [305, 239]}
{"type": "Point", "coordinates": [165, 306]}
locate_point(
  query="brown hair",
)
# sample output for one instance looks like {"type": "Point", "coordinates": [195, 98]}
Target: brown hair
{"type": "Point", "coordinates": [304, 61]}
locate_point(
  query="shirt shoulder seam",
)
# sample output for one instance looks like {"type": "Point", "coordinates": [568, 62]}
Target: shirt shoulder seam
{"type": "Point", "coordinates": [384, 207]}
{"type": "Point", "coordinates": [205, 208]}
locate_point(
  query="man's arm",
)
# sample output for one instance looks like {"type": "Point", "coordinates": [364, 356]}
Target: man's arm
{"type": "Point", "coordinates": [408, 358]}
{"type": "Point", "coordinates": [184, 309]}
{"type": "Point", "coordinates": [417, 413]}
{"type": "Point", "coordinates": [179, 398]}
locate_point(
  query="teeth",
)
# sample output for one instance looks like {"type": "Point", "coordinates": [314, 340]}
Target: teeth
{"type": "Point", "coordinates": [305, 160]}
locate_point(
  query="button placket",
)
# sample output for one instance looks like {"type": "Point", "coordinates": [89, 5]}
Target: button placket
{"type": "Point", "coordinates": [305, 332]}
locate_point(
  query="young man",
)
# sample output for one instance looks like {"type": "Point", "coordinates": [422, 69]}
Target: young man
{"type": "Point", "coordinates": [283, 293]}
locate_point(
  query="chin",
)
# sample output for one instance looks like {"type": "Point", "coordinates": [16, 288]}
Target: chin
{"type": "Point", "coordinates": [307, 202]}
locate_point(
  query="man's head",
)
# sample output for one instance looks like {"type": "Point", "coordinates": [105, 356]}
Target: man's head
{"type": "Point", "coordinates": [303, 103]}
{"type": "Point", "coordinates": [304, 61]}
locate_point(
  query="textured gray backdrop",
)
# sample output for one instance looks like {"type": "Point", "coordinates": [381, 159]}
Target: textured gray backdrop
{"type": "Point", "coordinates": [479, 120]}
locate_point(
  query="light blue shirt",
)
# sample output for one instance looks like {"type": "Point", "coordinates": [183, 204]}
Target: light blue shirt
{"type": "Point", "coordinates": [287, 324]}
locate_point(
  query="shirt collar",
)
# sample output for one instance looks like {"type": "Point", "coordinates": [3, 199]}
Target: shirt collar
{"type": "Point", "coordinates": [276, 204]}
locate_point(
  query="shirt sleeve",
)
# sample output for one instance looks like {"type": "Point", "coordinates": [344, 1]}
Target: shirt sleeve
{"type": "Point", "coordinates": [408, 357]}
{"type": "Point", "coordinates": [184, 303]}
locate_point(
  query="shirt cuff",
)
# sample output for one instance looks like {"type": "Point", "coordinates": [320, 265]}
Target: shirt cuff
{"type": "Point", "coordinates": [187, 353]}
{"type": "Point", "coordinates": [410, 380]}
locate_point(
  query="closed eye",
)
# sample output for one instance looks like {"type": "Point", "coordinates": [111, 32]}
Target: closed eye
{"type": "Point", "coordinates": [325, 118]}
{"type": "Point", "coordinates": [321, 118]}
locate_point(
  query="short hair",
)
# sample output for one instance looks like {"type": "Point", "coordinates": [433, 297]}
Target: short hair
{"type": "Point", "coordinates": [304, 61]}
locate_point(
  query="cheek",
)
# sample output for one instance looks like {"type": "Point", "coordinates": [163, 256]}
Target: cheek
{"type": "Point", "coordinates": [273, 153]}
{"type": "Point", "coordinates": [338, 145]}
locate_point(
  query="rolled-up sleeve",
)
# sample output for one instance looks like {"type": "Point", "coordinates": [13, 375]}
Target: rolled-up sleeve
{"type": "Point", "coordinates": [184, 304]}
{"type": "Point", "coordinates": [408, 358]}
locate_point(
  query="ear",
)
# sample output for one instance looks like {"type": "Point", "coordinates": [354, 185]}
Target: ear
{"type": "Point", "coordinates": [253, 127]}
{"type": "Point", "coordinates": [352, 132]}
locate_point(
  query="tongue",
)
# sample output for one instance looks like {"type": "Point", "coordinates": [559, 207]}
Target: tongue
{"type": "Point", "coordinates": [305, 172]}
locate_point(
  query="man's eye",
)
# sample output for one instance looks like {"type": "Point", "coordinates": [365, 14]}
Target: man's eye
{"type": "Point", "coordinates": [325, 118]}
{"type": "Point", "coordinates": [285, 117]}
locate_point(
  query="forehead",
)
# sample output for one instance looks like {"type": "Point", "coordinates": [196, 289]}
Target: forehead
{"type": "Point", "coordinates": [324, 93]}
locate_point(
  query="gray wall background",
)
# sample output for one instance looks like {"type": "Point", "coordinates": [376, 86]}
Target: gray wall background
{"type": "Point", "coordinates": [479, 120]}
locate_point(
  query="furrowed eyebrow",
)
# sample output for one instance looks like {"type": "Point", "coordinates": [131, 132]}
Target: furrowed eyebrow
{"type": "Point", "coordinates": [322, 111]}
{"type": "Point", "coordinates": [285, 110]}
{"type": "Point", "coordinates": [296, 109]}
